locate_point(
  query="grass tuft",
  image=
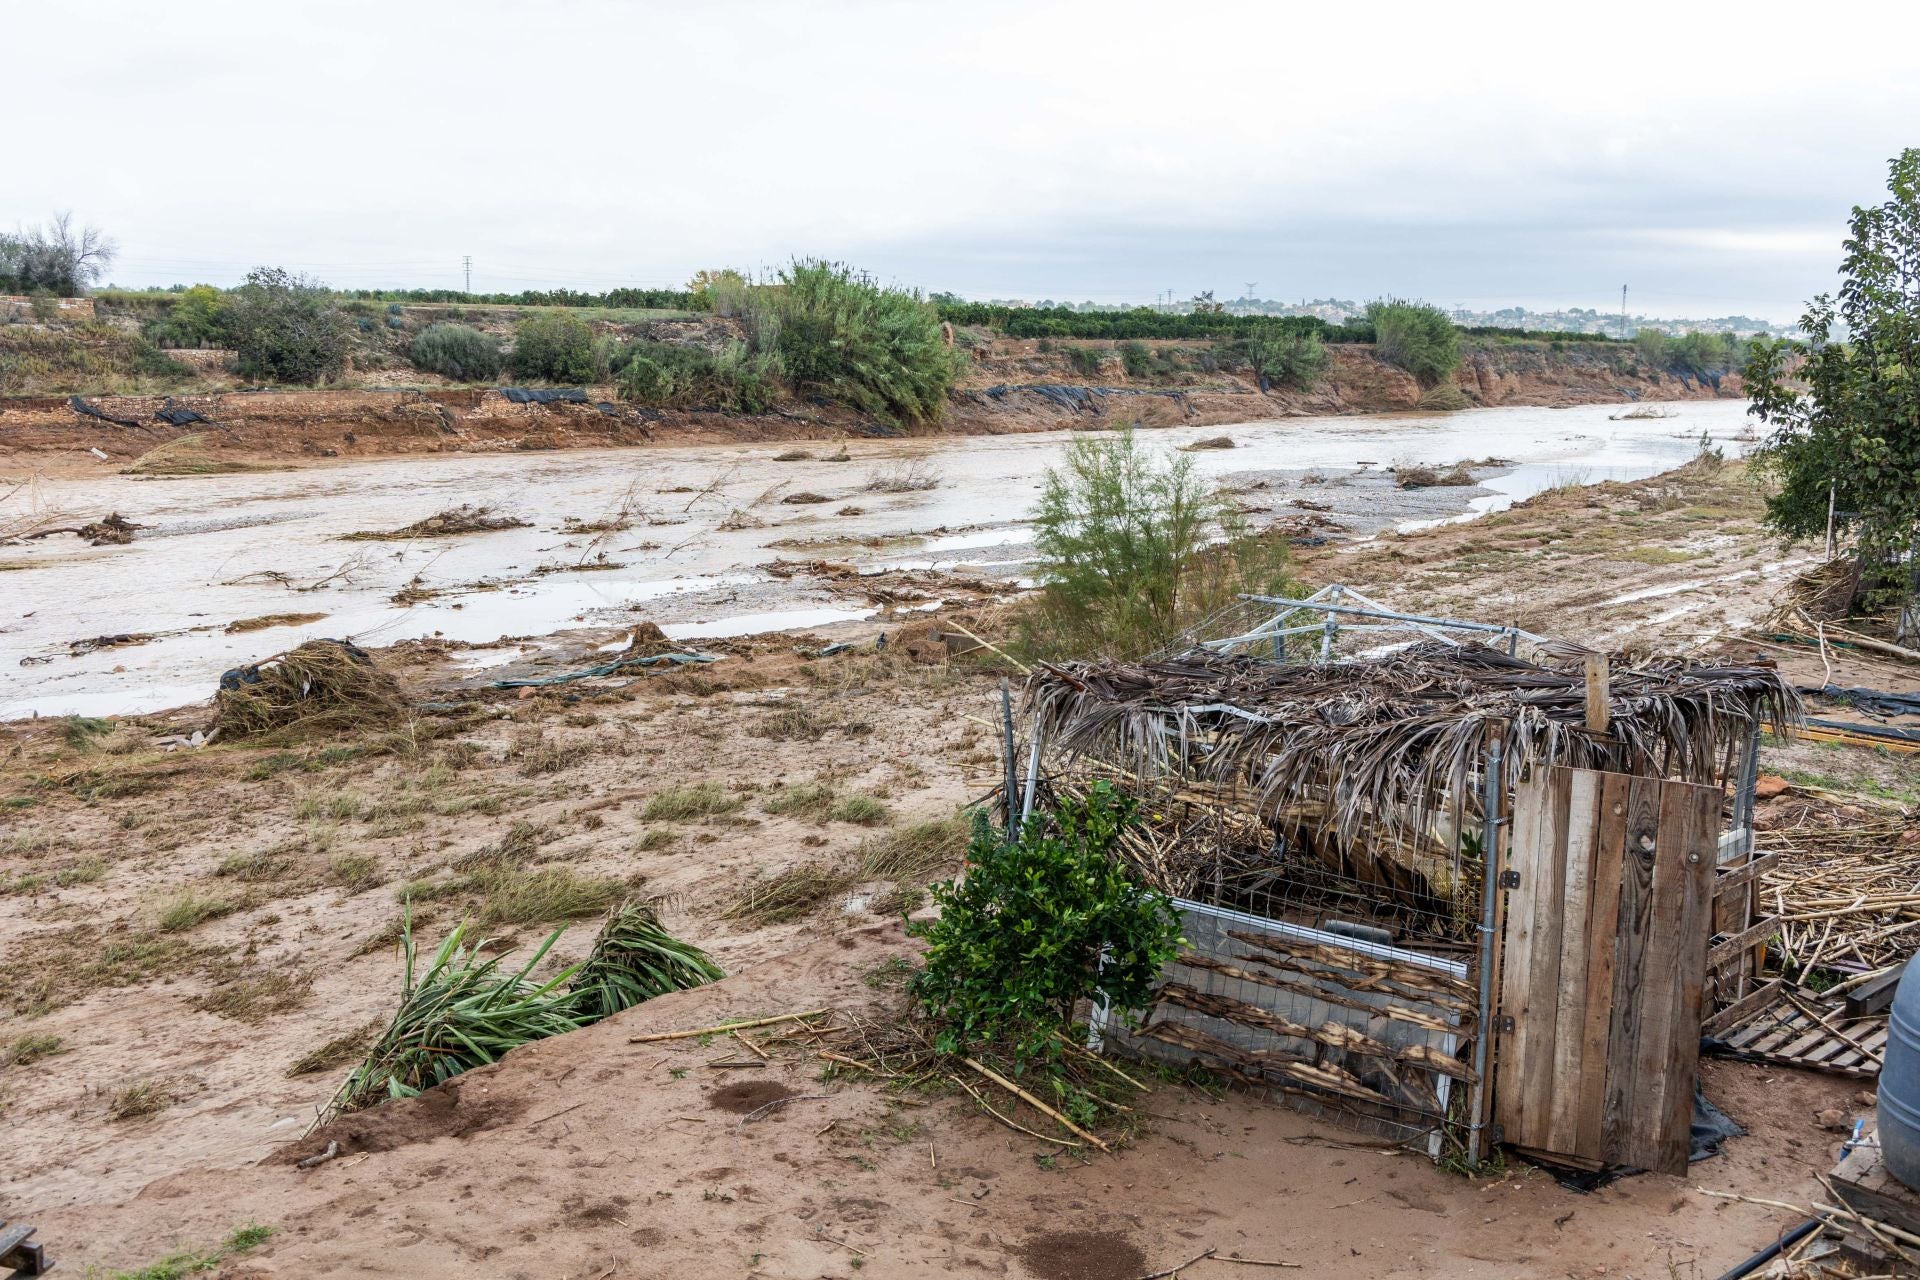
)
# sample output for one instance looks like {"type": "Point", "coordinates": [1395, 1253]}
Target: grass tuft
{"type": "Point", "coordinates": [683, 804]}
{"type": "Point", "coordinates": [861, 810]}
{"type": "Point", "coordinates": [24, 1051]}
{"type": "Point", "coordinates": [787, 895]}
{"type": "Point", "coordinates": [915, 854]}
{"type": "Point", "coordinates": [189, 909]}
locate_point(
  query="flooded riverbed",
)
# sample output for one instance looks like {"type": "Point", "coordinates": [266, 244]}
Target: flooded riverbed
{"type": "Point", "coordinates": [699, 523]}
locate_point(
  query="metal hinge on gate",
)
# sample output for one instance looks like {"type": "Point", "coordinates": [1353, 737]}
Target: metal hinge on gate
{"type": "Point", "coordinates": [1509, 879]}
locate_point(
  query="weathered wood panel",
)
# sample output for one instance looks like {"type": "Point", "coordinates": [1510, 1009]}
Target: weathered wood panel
{"type": "Point", "coordinates": [1605, 965]}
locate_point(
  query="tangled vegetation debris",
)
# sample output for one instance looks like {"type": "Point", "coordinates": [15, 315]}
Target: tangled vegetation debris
{"type": "Point", "coordinates": [323, 684]}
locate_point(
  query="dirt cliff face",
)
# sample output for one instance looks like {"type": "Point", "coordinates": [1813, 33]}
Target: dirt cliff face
{"type": "Point", "coordinates": [1010, 386]}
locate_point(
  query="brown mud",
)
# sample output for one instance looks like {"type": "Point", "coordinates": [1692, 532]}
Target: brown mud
{"type": "Point", "coordinates": [1011, 386]}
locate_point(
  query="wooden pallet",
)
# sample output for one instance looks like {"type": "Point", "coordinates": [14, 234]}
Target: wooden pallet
{"type": "Point", "coordinates": [1794, 1031]}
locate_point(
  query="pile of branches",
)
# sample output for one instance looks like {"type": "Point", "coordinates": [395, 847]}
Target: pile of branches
{"type": "Point", "coordinates": [1375, 763]}
{"type": "Point", "coordinates": [328, 685]}
{"type": "Point", "coordinates": [1845, 892]}
{"type": "Point", "coordinates": [1075, 1090]}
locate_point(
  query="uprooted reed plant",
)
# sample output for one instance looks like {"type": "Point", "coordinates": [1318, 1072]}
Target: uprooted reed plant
{"type": "Point", "coordinates": [327, 686]}
{"type": "Point", "coordinates": [188, 456]}
{"type": "Point", "coordinates": [635, 959]}
{"type": "Point", "coordinates": [461, 1012]}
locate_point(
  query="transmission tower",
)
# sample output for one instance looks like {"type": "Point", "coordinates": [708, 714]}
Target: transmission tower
{"type": "Point", "coordinates": [466, 263]}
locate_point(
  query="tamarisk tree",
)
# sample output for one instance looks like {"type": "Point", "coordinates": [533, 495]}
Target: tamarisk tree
{"type": "Point", "coordinates": [1844, 403]}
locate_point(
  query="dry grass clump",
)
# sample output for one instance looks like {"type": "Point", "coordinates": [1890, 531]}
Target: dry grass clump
{"type": "Point", "coordinates": [1429, 478]}
{"type": "Point", "coordinates": [538, 756]}
{"type": "Point", "coordinates": [142, 1098]}
{"type": "Point", "coordinates": [909, 475]}
{"type": "Point", "coordinates": [187, 456]}
{"type": "Point", "coordinates": [534, 895]}
{"type": "Point", "coordinates": [805, 498]}
{"type": "Point", "coordinates": [1211, 442]}
{"type": "Point", "coordinates": [354, 872]}
{"type": "Point", "coordinates": [654, 838]}
{"type": "Point", "coordinates": [685, 804]}
{"type": "Point", "coordinates": [335, 1052]}
{"type": "Point", "coordinates": [24, 1051]}
{"type": "Point", "coordinates": [792, 455]}
{"type": "Point", "coordinates": [321, 686]}
{"type": "Point", "coordinates": [460, 519]}
{"type": "Point", "coordinates": [861, 810]}
{"type": "Point", "coordinates": [254, 995]}
{"type": "Point", "coordinates": [917, 853]}
{"type": "Point", "coordinates": [792, 722]}
{"type": "Point", "coordinates": [1445, 398]}
{"type": "Point", "coordinates": [787, 895]}
{"type": "Point", "coordinates": [188, 909]}
{"type": "Point", "coordinates": [808, 800]}
{"type": "Point", "coordinates": [266, 620]}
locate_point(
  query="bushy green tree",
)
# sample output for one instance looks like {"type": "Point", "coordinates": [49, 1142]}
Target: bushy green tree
{"type": "Point", "coordinates": [842, 334]}
{"type": "Point", "coordinates": [1416, 337]}
{"type": "Point", "coordinates": [554, 347]}
{"type": "Point", "coordinates": [456, 351]}
{"type": "Point", "coordinates": [1040, 923]}
{"type": "Point", "coordinates": [1844, 405]}
{"type": "Point", "coordinates": [1284, 357]}
{"type": "Point", "coordinates": [285, 328]}
{"type": "Point", "coordinates": [1131, 545]}
{"type": "Point", "coordinates": [1651, 345]}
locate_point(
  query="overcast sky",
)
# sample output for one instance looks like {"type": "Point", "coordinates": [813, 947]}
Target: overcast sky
{"type": "Point", "coordinates": [1541, 155]}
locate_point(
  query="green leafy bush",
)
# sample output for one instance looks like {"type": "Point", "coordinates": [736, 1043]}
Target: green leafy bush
{"type": "Point", "coordinates": [1284, 358]}
{"type": "Point", "coordinates": [1131, 546]}
{"type": "Point", "coordinates": [456, 351]}
{"type": "Point", "coordinates": [554, 347]}
{"type": "Point", "coordinates": [734, 381]}
{"type": "Point", "coordinates": [841, 334]}
{"type": "Point", "coordinates": [197, 318]}
{"type": "Point", "coordinates": [1137, 359]}
{"type": "Point", "coordinates": [1084, 361]}
{"type": "Point", "coordinates": [286, 328]}
{"type": "Point", "coordinates": [1039, 924]}
{"type": "Point", "coordinates": [1416, 337]}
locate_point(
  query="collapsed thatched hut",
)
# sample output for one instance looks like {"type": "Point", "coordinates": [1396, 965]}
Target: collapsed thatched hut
{"type": "Point", "coordinates": [1371, 773]}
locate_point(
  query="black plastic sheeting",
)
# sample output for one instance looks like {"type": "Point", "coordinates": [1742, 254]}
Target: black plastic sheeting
{"type": "Point", "coordinates": [177, 417]}
{"type": "Point", "coordinates": [1078, 399]}
{"type": "Point", "coordinates": [1711, 1127]}
{"type": "Point", "coordinates": [545, 395]}
{"type": "Point", "coordinates": [82, 407]}
{"type": "Point", "coordinates": [1877, 701]}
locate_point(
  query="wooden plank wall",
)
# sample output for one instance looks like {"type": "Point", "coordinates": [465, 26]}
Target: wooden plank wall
{"type": "Point", "coordinates": [1605, 964]}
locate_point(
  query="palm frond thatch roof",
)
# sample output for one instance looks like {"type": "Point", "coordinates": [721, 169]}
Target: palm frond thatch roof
{"type": "Point", "coordinates": [1377, 753]}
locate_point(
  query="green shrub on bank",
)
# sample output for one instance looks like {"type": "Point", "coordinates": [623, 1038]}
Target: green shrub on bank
{"type": "Point", "coordinates": [456, 351]}
{"type": "Point", "coordinates": [841, 334]}
{"type": "Point", "coordinates": [554, 347]}
{"type": "Point", "coordinates": [91, 358]}
{"type": "Point", "coordinates": [286, 328]}
{"type": "Point", "coordinates": [1131, 547]}
{"type": "Point", "coordinates": [1039, 924]}
{"type": "Point", "coordinates": [1416, 337]}
{"type": "Point", "coordinates": [669, 376]}
{"type": "Point", "coordinates": [197, 318]}
{"type": "Point", "coordinates": [1284, 358]}
{"type": "Point", "coordinates": [1084, 361]}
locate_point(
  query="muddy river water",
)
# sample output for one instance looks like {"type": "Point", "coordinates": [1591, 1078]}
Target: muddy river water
{"type": "Point", "coordinates": [702, 523]}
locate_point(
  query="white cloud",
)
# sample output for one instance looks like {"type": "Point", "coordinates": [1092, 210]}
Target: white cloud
{"type": "Point", "coordinates": [587, 142]}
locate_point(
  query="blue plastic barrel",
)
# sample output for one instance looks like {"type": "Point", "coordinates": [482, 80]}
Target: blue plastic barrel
{"type": "Point", "coordinates": [1900, 1084]}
